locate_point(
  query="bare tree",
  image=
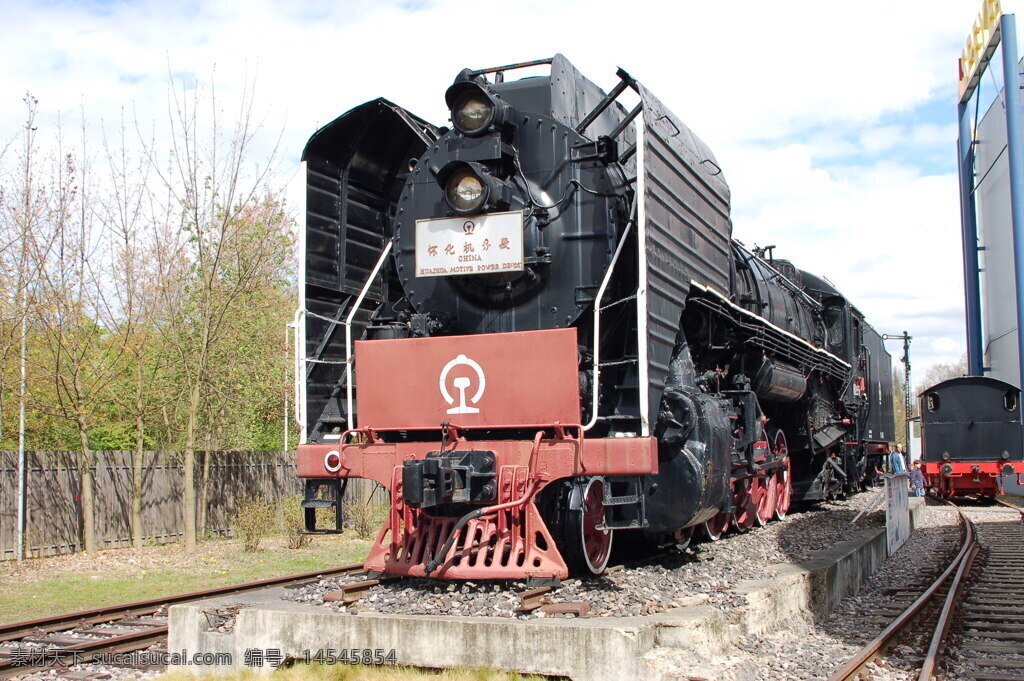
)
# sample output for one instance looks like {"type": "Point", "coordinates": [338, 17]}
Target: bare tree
{"type": "Point", "coordinates": [899, 406]}
{"type": "Point", "coordinates": [940, 372]}
{"type": "Point", "coordinates": [228, 236]}
{"type": "Point", "coordinates": [23, 203]}
{"type": "Point", "coordinates": [23, 207]}
{"type": "Point", "coordinates": [76, 313]}
{"type": "Point", "coordinates": [125, 223]}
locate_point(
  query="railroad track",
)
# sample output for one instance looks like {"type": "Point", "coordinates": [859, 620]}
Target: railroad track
{"type": "Point", "coordinates": [988, 639]}
{"type": "Point", "coordinates": [537, 597]}
{"type": "Point", "coordinates": [530, 599]}
{"type": "Point", "coordinates": [972, 608]}
{"type": "Point", "coordinates": [81, 636]}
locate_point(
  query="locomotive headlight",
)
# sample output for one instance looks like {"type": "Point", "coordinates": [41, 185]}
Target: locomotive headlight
{"type": "Point", "coordinates": [465, 191]}
{"type": "Point", "coordinates": [472, 113]}
{"type": "Point", "coordinates": [471, 188]}
{"type": "Point", "coordinates": [476, 109]}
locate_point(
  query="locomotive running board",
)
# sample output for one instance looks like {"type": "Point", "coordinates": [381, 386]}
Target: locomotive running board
{"type": "Point", "coordinates": [809, 354]}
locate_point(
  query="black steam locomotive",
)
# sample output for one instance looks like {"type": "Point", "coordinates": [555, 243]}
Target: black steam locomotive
{"type": "Point", "coordinates": [535, 328]}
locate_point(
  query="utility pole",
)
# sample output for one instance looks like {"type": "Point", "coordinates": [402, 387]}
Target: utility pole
{"type": "Point", "coordinates": [30, 129]}
{"type": "Point", "coordinates": [906, 379]}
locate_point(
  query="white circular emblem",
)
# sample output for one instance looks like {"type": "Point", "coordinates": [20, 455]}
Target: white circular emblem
{"type": "Point", "coordinates": [461, 383]}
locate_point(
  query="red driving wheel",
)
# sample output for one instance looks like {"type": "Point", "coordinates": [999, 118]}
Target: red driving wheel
{"type": "Point", "coordinates": [577, 526]}
{"type": "Point", "coordinates": [743, 504]}
{"type": "Point", "coordinates": [782, 476]}
{"type": "Point", "coordinates": [765, 496]}
{"type": "Point", "coordinates": [597, 543]}
{"type": "Point", "coordinates": [716, 526]}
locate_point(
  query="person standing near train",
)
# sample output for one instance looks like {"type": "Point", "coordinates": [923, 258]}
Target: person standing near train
{"type": "Point", "coordinates": [897, 464]}
{"type": "Point", "coordinates": [917, 481]}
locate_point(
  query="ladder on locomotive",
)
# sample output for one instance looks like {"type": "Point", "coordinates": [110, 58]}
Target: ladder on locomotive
{"type": "Point", "coordinates": [350, 225]}
{"type": "Point", "coordinates": [621, 400]}
{"type": "Point", "coordinates": [624, 500]}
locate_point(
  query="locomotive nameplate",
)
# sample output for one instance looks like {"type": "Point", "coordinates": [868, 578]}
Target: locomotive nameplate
{"type": "Point", "coordinates": [473, 244]}
{"type": "Point", "coordinates": [524, 378]}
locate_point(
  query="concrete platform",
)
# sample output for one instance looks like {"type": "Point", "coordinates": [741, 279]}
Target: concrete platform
{"type": "Point", "coordinates": [668, 646]}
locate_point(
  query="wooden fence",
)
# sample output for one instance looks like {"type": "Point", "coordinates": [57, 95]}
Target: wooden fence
{"type": "Point", "coordinates": [53, 484]}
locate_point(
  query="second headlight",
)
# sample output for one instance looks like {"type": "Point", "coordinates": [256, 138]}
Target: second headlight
{"type": "Point", "coordinates": [465, 191]}
{"type": "Point", "coordinates": [471, 188]}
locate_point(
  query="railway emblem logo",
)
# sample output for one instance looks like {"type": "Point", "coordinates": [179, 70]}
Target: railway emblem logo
{"type": "Point", "coordinates": [462, 383]}
{"type": "Point", "coordinates": [469, 227]}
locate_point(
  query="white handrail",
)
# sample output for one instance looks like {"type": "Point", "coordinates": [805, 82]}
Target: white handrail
{"type": "Point", "coordinates": [597, 326]}
{"type": "Point", "coordinates": [348, 331]}
{"type": "Point", "coordinates": [643, 357]}
{"type": "Point", "coordinates": [300, 313]}
{"type": "Point", "coordinates": [299, 376]}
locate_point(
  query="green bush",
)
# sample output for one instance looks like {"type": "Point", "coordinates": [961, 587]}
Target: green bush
{"type": "Point", "coordinates": [254, 519]}
{"type": "Point", "coordinates": [293, 518]}
{"type": "Point", "coordinates": [116, 436]}
{"type": "Point", "coordinates": [364, 517]}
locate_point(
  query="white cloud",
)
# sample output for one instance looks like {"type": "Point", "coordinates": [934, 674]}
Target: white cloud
{"type": "Point", "coordinates": [751, 70]}
{"type": "Point", "coordinates": [886, 235]}
{"type": "Point", "coordinates": [932, 135]}
{"type": "Point", "coordinates": [776, 88]}
{"type": "Point", "coordinates": [882, 138]}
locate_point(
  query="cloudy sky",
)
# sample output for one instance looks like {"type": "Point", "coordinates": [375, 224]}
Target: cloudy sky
{"type": "Point", "coordinates": [835, 123]}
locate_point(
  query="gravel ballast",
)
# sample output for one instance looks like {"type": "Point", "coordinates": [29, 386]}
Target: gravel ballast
{"type": "Point", "coordinates": [704, 573]}
{"type": "Point", "coordinates": [813, 650]}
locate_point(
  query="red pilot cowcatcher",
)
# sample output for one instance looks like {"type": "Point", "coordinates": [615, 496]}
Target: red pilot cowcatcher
{"type": "Point", "coordinates": [442, 392]}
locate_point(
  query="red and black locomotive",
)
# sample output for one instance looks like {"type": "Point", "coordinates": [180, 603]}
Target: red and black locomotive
{"type": "Point", "coordinates": [971, 436]}
{"type": "Point", "coordinates": [535, 330]}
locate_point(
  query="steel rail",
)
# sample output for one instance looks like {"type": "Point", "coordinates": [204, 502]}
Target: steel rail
{"type": "Point", "coordinates": [869, 652]}
{"type": "Point", "coordinates": [16, 630]}
{"type": "Point", "coordinates": [86, 651]}
{"type": "Point", "coordinates": [138, 640]}
{"type": "Point", "coordinates": [945, 617]}
{"type": "Point", "coordinates": [1012, 506]}
{"type": "Point", "coordinates": [932, 657]}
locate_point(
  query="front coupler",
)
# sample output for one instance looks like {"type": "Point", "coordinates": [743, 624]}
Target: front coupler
{"type": "Point", "coordinates": [450, 477]}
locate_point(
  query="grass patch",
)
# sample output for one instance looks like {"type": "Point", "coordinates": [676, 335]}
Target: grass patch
{"type": "Point", "coordinates": [60, 584]}
{"type": "Point", "coordinates": [360, 673]}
